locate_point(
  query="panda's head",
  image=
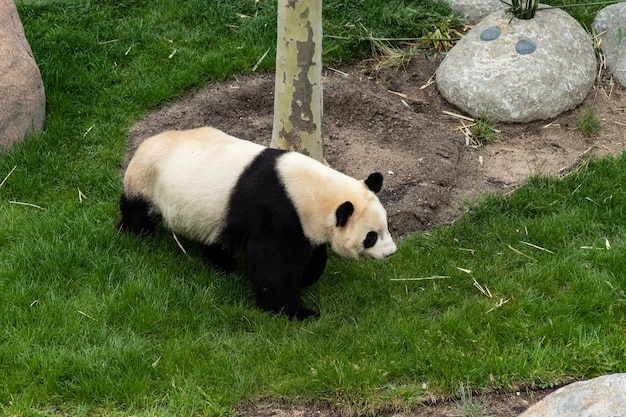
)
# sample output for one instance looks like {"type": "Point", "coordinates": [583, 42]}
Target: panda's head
{"type": "Point", "coordinates": [361, 226]}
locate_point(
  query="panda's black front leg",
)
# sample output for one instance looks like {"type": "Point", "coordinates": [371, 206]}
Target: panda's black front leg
{"type": "Point", "coordinates": [279, 299]}
{"type": "Point", "coordinates": [274, 270]}
{"type": "Point", "coordinates": [315, 267]}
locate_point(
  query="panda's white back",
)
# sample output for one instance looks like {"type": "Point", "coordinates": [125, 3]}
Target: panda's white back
{"type": "Point", "coordinates": [188, 177]}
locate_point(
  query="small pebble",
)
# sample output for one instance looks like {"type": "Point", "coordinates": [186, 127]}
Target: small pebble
{"type": "Point", "coordinates": [525, 47]}
{"type": "Point", "coordinates": [491, 33]}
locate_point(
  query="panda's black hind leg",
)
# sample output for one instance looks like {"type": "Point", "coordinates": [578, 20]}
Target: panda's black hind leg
{"type": "Point", "coordinates": [218, 257]}
{"type": "Point", "coordinates": [136, 216]}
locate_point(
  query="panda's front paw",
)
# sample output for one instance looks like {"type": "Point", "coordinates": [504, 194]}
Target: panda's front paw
{"type": "Point", "coordinates": [304, 313]}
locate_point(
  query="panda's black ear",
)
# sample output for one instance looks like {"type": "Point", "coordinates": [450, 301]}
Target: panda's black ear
{"type": "Point", "coordinates": [343, 213]}
{"type": "Point", "coordinates": [374, 182]}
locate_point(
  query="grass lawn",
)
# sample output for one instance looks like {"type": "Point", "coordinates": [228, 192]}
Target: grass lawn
{"type": "Point", "coordinates": [529, 288]}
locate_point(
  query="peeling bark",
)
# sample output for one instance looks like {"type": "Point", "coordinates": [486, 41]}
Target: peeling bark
{"type": "Point", "coordinates": [298, 85]}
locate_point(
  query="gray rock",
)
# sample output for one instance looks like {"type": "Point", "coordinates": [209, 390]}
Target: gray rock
{"type": "Point", "coordinates": [22, 97]}
{"type": "Point", "coordinates": [530, 69]}
{"type": "Point", "coordinates": [610, 26]}
{"type": "Point", "coordinates": [473, 11]}
{"type": "Point", "coordinates": [604, 396]}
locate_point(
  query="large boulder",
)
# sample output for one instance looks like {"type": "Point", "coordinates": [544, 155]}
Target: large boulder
{"type": "Point", "coordinates": [22, 96]}
{"type": "Point", "coordinates": [610, 25]}
{"type": "Point", "coordinates": [604, 396]}
{"type": "Point", "coordinates": [514, 70]}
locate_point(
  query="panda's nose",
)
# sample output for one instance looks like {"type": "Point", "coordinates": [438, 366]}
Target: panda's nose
{"type": "Point", "coordinates": [392, 250]}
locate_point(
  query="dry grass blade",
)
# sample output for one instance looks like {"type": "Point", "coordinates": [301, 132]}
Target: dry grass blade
{"type": "Point", "coordinates": [500, 304]}
{"type": "Point", "coordinates": [260, 60]}
{"type": "Point", "coordinates": [156, 362]}
{"type": "Point", "coordinates": [20, 203]}
{"type": "Point", "coordinates": [7, 177]}
{"type": "Point", "coordinates": [180, 245]}
{"type": "Point", "coordinates": [430, 81]}
{"type": "Point", "coordinates": [88, 130]}
{"type": "Point", "coordinates": [335, 70]}
{"type": "Point", "coordinates": [421, 279]}
{"type": "Point", "coordinates": [485, 291]}
{"type": "Point", "coordinates": [398, 93]}
{"type": "Point", "coordinates": [467, 132]}
{"type": "Point", "coordinates": [519, 252]}
{"type": "Point", "coordinates": [81, 196]}
{"type": "Point", "coordinates": [552, 124]}
{"type": "Point", "coordinates": [536, 246]}
{"type": "Point", "coordinates": [458, 116]}
{"type": "Point", "coordinates": [472, 251]}
{"type": "Point", "coordinates": [82, 313]}
{"type": "Point", "coordinates": [591, 247]}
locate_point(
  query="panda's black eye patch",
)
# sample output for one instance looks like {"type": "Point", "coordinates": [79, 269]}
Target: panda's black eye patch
{"type": "Point", "coordinates": [370, 239]}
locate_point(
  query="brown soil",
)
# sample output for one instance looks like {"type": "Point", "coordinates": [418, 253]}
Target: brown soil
{"type": "Point", "coordinates": [394, 122]}
{"type": "Point", "coordinates": [494, 405]}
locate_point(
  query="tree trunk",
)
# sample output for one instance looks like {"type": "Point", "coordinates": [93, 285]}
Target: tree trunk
{"type": "Point", "coordinates": [298, 84]}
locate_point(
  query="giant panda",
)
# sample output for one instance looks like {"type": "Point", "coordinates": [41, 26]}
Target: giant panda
{"type": "Point", "coordinates": [280, 208]}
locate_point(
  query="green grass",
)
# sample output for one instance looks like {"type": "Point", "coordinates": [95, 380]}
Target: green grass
{"type": "Point", "coordinates": [94, 322]}
{"type": "Point", "coordinates": [484, 130]}
{"type": "Point", "coordinates": [467, 405]}
{"type": "Point", "coordinates": [589, 123]}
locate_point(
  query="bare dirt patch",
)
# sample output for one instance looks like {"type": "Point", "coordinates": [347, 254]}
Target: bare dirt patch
{"type": "Point", "coordinates": [494, 405]}
{"type": "Point", "coordinates": [394, 122]}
